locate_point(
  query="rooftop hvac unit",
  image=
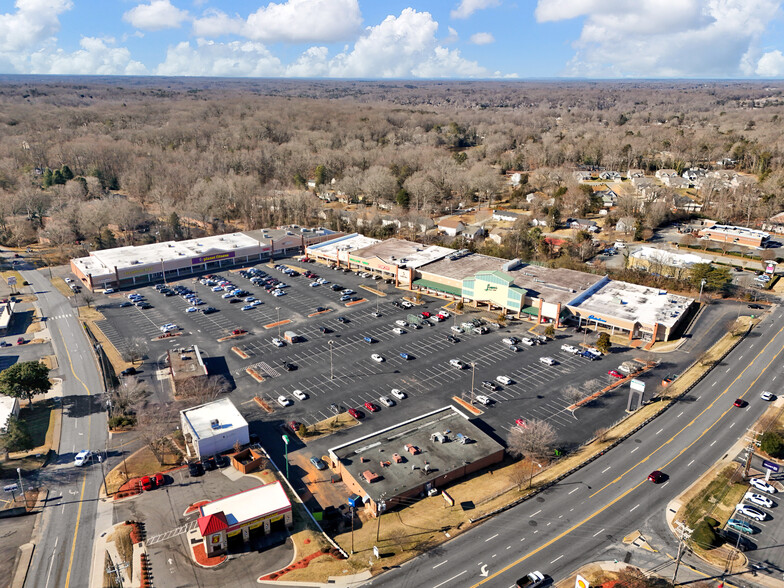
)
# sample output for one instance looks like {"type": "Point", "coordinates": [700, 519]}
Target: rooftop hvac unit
{"type": "Point", "coordinates": [214, 423]}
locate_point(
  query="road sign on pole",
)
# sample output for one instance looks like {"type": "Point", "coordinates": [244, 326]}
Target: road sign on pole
{"type": "Point", "coordinates": [638, 385]}
{"type": "Point", "coordinates": [769, 465]}
{"type": "Point", "coordinates": [12, 280]}
{"type": "Point", "coordinates": [375, 552]}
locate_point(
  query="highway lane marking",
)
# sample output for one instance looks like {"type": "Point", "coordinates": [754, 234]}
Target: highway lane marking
{"type": "Point", "coordinates": [714, 383]}
{"type": "Point", "coordinates": [493, 537]}
{"type": "Point", "coordinates": [679, 414]}
{"type": "Point", "coordinates": [536, 513]}
{"type": "Point", "coordinates": [440, 564]}
{"type": "Point", "coordinates": [634, 508]}
{"type": "Point", "coordinates": [714, 443]}
{"type": "Point", "coordinates": [509, 547]}
{"type": "Point", "coordinates": [732, 425]}
{"type": "Point", "coordinates": [659, 431]}
{"type": "Point", "coordinates": [635, 449]}
{"type": "Point", "coordinates": [597, 532]}
{"type": "Point", "coordinates": [450, 579]}
{"type": "Point", "coordinates": [556, 559]}
{"type": "Point", "coordinates": [575, 490]}
{"type": "Point", "coordinates": [667, 482]}
{"type": "Point", "coordinates": [689, 464]}
{"type": "Point", "coordinates": [605, 469]}
{"type": "Point", "coordinates": [703, 411]}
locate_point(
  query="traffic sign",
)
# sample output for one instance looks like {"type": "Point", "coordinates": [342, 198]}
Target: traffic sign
{"type": "Point", "coordinates": [769, 465]}
{"type": "Point", "coordinates": [12, 280]}
{"type": "Point", "coordinates": [10, 488]}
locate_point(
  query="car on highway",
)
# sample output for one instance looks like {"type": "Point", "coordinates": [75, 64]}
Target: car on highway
{"type": "Point", "coordinates": [657, 477]}
{"type": "Point", "coordinates": [739, 403]}
{"type": "Point", "coordinates": [751, 512]}
{"type": "Point", "coordinates": [532, 580]}
{"type": "Point", "coordinates": [377, 358]}
{"type": "Point", "coordinates": [489, 385]}
{"type": "Point", "coordinates": [569, 348]}
{"type": "Point", "coordinates": [767, 396]}
{"type": "Point", "coordinates": [372, 407]}
{"type": "Point", "coordinates": [399, 394]}
{"type": "Point", "coordinates": [283, 401]}
{"type": "Point", "coordinates": [758, 499]}
{"type": "Point", "coordinates": [318, 463]}
{"type": "Point", "coordinates": [761, 484]}
{"type": "Point", "coordinates": [742, 526]}
{"type": "Point", "coordinates": [299, 394]}
{"type": "Point", "coordinates": [481, 398]}
{"type": "Point", "coordinates": [357, 414]}
{"type": "Point", "coordinates": [456, 363]}
{"type": "Point", "coordinates": [505, 380]}
{"type": "Point", "coordinates": [386, 401]}
{"type": "Point", "coordinates": [278, 342]}
{"type": "Point", "coordinates": [399, 331]}
{"type": "Point", "coordinates": [406, 356]}
{"type": "Point", "coordinates": [615, 374]}
{"type": "Point", "coordinates": [82, 458]}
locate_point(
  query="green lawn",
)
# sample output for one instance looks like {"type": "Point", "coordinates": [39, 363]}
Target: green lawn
{"type": "Point", "coordinates": [37, 419]}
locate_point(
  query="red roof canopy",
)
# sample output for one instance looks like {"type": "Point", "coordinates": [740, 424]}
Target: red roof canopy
{"type": "Point", "coordinates": [212, 524]}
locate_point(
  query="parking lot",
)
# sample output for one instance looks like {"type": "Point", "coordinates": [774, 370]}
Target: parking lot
{"type": "Point", "coordinates": [332, 363]}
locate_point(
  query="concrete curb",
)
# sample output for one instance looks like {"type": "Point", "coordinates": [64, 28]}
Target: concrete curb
{"type": "Point", "coordinates": [23, 560]}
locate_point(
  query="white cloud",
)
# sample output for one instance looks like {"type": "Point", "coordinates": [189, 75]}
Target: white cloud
{"type": "Point", "coordinates": [155, 16]}
{"type": "Point", "coordinates": [293, 21]}
{"type": "Point", "coordinates": [312, 63]}
{"type": "Point", "coordinates": [400, 47]}
{"type": "Point", "coordinates": [33, 23]}
{"type": "Point", "coordinates": [467, 7]}
{"type": "Point", "coordinates": [482, 38]}
{"type": "Point", "coordinates": [209, 58]}
{"type": "Point", "coordinates": [662, 38]}
{"type": "Point", "coordinates": [96, 57]}
{"type": "Point", "coordinates": [771, 65]}
{"type": "Point", "coordinates": [452, 38]}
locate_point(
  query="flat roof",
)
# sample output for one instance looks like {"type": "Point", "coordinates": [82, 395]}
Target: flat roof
{"type": "Point", "coordinates": [668, 258]}
{"type": "Point", "coordinates": [186, 363]}
{"type": "Point", "coordinates": [347, 243]}
{"type": "Point", "coordinates": [404, 253]}
{"type": "Point", "coordinates": [739, 231]}
{"type": "Point", "coordinates": [277, 234]}
{"type": "Point", "coordinates": [7, 404]}
{"type": "Point", "coordinates": [442, 458]}
{"type": "Point", "coordinates": [250, 504]}
{"type": "Point", "coordinates": [223, 410]}
{"type": "Point", "coordinates": [635, 303]}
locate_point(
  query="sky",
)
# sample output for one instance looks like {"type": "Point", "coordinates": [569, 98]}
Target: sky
{"type": "Point", "coordinates": [412, 39]}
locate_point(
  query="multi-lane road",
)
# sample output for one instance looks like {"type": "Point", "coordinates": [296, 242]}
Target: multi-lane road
{"type": "Point", "coordinates": [66, 530]}
{"type": "Point", "coordinates": [584, 517]}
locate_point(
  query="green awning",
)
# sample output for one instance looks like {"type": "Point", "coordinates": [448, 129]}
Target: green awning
{"type": "Point", "coordinates": [453, 290]}
{"type": "Point", "coordinates": [532, 310]}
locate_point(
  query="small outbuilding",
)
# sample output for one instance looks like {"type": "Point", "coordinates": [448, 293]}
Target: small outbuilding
{"type": "Point", "coordinates": [212, 428]}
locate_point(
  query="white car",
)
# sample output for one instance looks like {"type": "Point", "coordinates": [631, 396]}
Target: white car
{"type": "Point", "coordinates": [168, 328]}
{"type": "Point", "coordinates": [761, 484]}
{"type": "Point", "coordinates": [348, 291]}
{"type": "Point", "coordinates": [68, 280]}
{"type": "Point", "coordinates": [250, 298]}
{"type": "Point", "coordinates": [569, 348]}
{"type": "Point", "coordinates": [456, 363]}
{"type": "Point", "coordinates": [283, 401]}
{"type": "Point", "coordinates": [191, 309]}
{"type": "Point", "coordinates": [247, 307]}
{"type": "Point", "coordinates": [401, 323]}
{"type": "Point", "coordinates": [750, 512]}
{"type": "Point", "coordinates": [399, 394]}
{"type": "Point", "coordinates": [314, 284]}
{"type": "Point", "coordinates": [506, 380]}
{"type": "Point", "coordinates": [278, 293]}
{"type": "Point", "coordinates": [456, 329]}
{"type": "Point", "coordinates": [377, 358]}
{"type": "Point", "coordinates": [758, 499]}
{"type": "Point", "coordinates": [227, 295]}
{"type": "Point", "coordinates": [483, 399]}
{"type": "Point", "coordinates": [399, 331]}
{"type": "Point", "coordinates": [386, 401]}
{"type": "Point", "coordinates": [547, 360]}
{"type": "Point", "coordinates": [406, 304]}
{"type": "Point", "coordinates": [216, 288]}
{"type": "Point", "coordinates": [278, 342]}
{"type": "Point", "coordinates": [82, 457]}
{"type": "Point", "coordinates": [527, 341]}
{"type": "Point", "coordinates": [444, 314]}
{"type": "Point", "coordinates": [595, 351]}
{"type": "Point", "coordinates": [299, 394]}
{"type": "Point", "coordinates": [256, 303]}
{"type": "Point", "coordinates": [509, 340]}
{"type": "Point", "coordinates": [766, 396]}
{"type": "Point", "coordinates": [108, 291]}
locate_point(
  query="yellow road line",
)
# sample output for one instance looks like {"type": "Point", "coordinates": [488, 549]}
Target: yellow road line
{"type": "Point", "coordinates": [601, 510]}
{"type": "Point", "coordinates": [84, 479]}
{"type": "Point", "coordinates": [695, 418]}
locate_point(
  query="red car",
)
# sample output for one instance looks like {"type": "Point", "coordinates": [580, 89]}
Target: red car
{"type": "Point", "coordinates": [656, 476]}
{"type": "Point", "coordinates": [371, 407]}
{"type": "Point", "coordinates": [294, 426]}
{"type": "Point", "coordinates": [147, 483]}
{"type": "Point", "coordinates": [425, 314]}
{"type": "Point", "coordinates": [615, 374]}
{"type": "Point", "coordinates": [158, 480]}
{"type": "Point", "coordinates": [740, 403]}
{"type": "Point", "coordinates": [357, 414]}
{"type": "Point", "coordinates": [521, 423]}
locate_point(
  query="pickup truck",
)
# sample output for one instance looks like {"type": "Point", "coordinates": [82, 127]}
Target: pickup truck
{"type": "Point", "coordinates": [531, 580]}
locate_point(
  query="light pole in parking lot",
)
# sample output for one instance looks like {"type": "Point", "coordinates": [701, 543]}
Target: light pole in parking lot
{"type": "Point", "coordinates": [286, 444]}
{"type": "Point", "coordinates": [473, 372]}
{"type": "Point", "coordinates": [702, 283]}
{"type": "Point", "coordinates": [331, 372]}
{"type": "Point", "coordinates": [278, 309]}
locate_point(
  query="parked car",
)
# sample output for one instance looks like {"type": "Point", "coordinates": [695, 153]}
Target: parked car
{"type": "Point", "coordinates": [758, 499]}
{"type": "Point", "coordinates": [761, 484]}
{"type": "Point", "coordinates": [406, 356]}
{"type": "Point", "coordinates": [300, 395]}
{"type": "Point", "coordinates": [751, 512]}
{"type": "Point", "coordinates": [195, 469]}
{"type": "Point", "coordinates": [278, 342]}
{"type": "Point", "coordinates": [741, 526]}
{"type": "Point", "coordinates": [398, 331]}
{"type": "Point", "coordinates": [400, 395]}
{"type": "Point", "coordinates": [284, 401]}
{"type": "Point", "coordinates": [456, 363]}
{"type": "Point", "coordinates": [489, 385]}
{"type": "Point", "coordinates": [615, 374]}
{"type": "Point", "coordinates": [547, 360]}
{"type": "Point", "coordinates": [377, 358]}
{"type": "Point", "coordinates": [318, 463]}
{"type": "Point", "coordinates": [222, 461]}
{"type": "Point", "coordinates": [372, 407]}
{"type": "Point", "coordinates": [569, 348]}
{"type": "Point", "coordinates": [357, 414]}
{"type": "Point", "coordinates": [481, 398]}
{"type": "Point", "coordinates": [527, 341]}
{"type": "Point", "coordinates": [506, 380]}
{"type": "Point", "coordinates": [386, 401]}
{"type": "Point", "coordinates": [510, 340]}
{"type": "Point", "coordinates": [129, 371]}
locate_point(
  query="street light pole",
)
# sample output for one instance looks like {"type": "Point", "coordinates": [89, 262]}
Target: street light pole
{"type": "Point", "coordinates": [473, 372]}
{"type": "Point", "coordinates": [286, 444]}
{"type": "Point", "coordinates": [702, 283]}
{"type": "Point", "coordinates": [21, 486]}
{"type": "Point", "coordinates": [278, 309]}
{"type": "Point", "coordinates": [331, 372]}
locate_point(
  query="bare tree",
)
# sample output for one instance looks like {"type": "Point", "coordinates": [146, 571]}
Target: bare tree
{"type": "Point", "coordinates": [156, 421]}
{"type": "Point", "coordinates": [202, 389]}
{"type": "Point", "coordinates": [87, 298]}
{"type": "Point", "coordinates": [136, 350]}
{"type": "Point", "coordinates": [533, 440]}
{"type": "Point", "coordinates": [125, 397]}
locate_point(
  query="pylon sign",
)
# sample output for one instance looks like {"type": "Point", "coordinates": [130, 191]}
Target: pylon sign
{"type": "Point", "coordinates": [580, 582]}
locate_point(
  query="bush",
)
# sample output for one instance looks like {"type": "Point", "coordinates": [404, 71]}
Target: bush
{"type": "Point", "coordinates": [712, 522]}
{"type": "Point", "coordinates": [122, 421]}
{"type": "Point", "coordinates": [16, 437]}
{"type": "Point", "coordinates": [772, 444]}
{"type": "Point", "coordinates": [705, 536]}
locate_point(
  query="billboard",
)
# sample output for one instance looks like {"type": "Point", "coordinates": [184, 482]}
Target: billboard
{"type": "Point", "coordinates": [215, 257]}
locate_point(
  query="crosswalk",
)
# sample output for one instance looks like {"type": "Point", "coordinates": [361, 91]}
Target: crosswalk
{"type": "Point", "coordinates": [181, 530]}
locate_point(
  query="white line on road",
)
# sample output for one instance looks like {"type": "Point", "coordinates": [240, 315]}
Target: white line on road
{"type": "Point", "coordinates": [679, 414]}
{"type": "Point", "coordinates": [633, 509]}
{"type": "Point", "coordinates": [728, 369]}
{"type": "Point", "coordinates": [712, 444]}
{"type": "Point", "coordinates": [691, 462]}
{"type": "Point", "coordinates": [536, 513]}
{"type": "Point", "coordinates": [605, 469]}
{"type": "Point", "coordinates": [575, 490]}
{"type": "Point", "coordinates": [659, 431]}
{"type": "Point", "coordinates": [633, 450]}
{"type": "Point", "coordinates": [493, 537]}
{"type": "Point", "coordinates": [509, 547]}
{"type": "Point", "coordinates": [556, 559]}
{"type": "Point", "coordinates": [597, 532]}
{"type": "Point", "coordinates": [450, 579]}
{"type": "Point", "coordinates": [774, 378]}
{"type": "Point", "coordinates": [731, 425]}
{"type": "Point", "coordinates": [440, 564]}
{"type": "Point", "coordinates": [741, 357]}
{"type": "Point", "coordinates": [714, 383]}
{"type": "Point", "coordinates": [667, 482]}
{"type": "Point", "coordinates": [523, 539]}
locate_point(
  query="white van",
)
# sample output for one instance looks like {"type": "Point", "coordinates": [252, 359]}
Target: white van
{"type": "Point", "coordinates": [619, 245]}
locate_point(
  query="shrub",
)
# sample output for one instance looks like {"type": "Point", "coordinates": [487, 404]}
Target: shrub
{"type": "Point", "coordinates": [712, 522]}
{"type": "Point", "coordinates": [772, 444]}
{"type": "Point", "coordinates": [704, 535]}
{"type": "Point", "coordinates": [121, 421]}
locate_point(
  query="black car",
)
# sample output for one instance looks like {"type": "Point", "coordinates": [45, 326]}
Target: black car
{"type": "Point", "coordinates": [209, 310]}
{"type": "Point", "coordinates": [167, 293]}
{"type": "Point", "coordinates": [325, 330]}
{"type": "Point", "coordinates": [320, 309]}
{"type": "Point", "coordinates": [452, 339]}
{"type": "Point", "coordinates": [489, 385]}
{"type": "Point", "coordinates": [145, 305]}
{"type": "Point", "coordinates": [288, 366]}
{"type": "Point", "coordinates": [222, 461]}
{"type": "Point", "coordinates": [342, 319]}
{"type": "Point", "coordinates": [129, 372]}
{"type": "Point", "coordinates": [208, 463]}
{"type": "Point", "coordinates": [126, 304]}
{"type": "Point", "coordinates": [195, 469]}
{"type": "Point", "coordinates": [293, 274]}
{"type": "Point", "coordinates": [755, 306]}
{"type": "Point", "coordinates": [235, 300]}
{"type": "Point", "coordinates": [336, 287]}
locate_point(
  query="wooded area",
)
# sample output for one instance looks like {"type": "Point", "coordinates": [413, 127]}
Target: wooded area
{"type": "Point", "coordinates": [160, 158]}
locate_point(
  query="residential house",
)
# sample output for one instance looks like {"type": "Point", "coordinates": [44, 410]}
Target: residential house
{"type": "Point", "coordinates": [610, 176]}
{"type": "Point", "coordinates": [498, 234]}
{"type": "Point", "coordinates": [743, 180]}
{"type": "Point", "coordinates": [583, 225]}
{"type": "Point", "coordinates": [775, 224]}
{"type": "Point", "coordinates": [582, 176]}
{"type": "Point", "coordinates": [312, 184]}
{"type": "Point", "coordinates": [505, 216]}
{"type": "Point", "coordinates": [473, 232]}
{"type": "Point", "coordinates": [609, 198]}
{"type": "Point", "coordinates": [542, 222]}
{"type": "Point", "coordinates": [513, 178]}
{"type": "Point", "coordinates": [663, 173]}
{"type": "Point", "coordinates": [451, 226]}
{"type": "Point", "coordinates": [694, 173]}
{"type": "Point", "coordinates": [685, 204]}
{"type": "Point", "coordinates": [632, 173]}
{"type": "Point", "coordinates": [626, 225]}
{"type": "Point", "coordinates": [676, 182]}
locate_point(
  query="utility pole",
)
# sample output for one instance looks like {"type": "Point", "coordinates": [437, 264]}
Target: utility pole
{"type": "Point", "coordinates": [331, 371]}
{"type": "Point", "coordinates": [473, 371]}
{"type": "Point", "coordinates": [752, 438]}
{"type": "Point", "coordinates": [278, 309]}
{"type": "Point", "coordinates": [352, 530]}
{"type": "Point", "coordinates": [21, 486]}
{"type": "Point", "coordinates": [103, 474]}
{"type": "Point", "coordinates": [684, 533]}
